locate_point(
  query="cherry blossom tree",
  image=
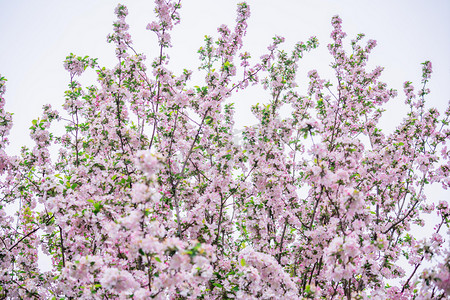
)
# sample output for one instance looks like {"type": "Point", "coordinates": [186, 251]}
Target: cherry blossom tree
{"type": "Point", "coordinates": [148, 194]}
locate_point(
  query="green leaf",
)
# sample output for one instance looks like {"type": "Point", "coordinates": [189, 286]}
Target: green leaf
{"type": "Point", "coordinates": [97, 207]}
{"type": "Point", "coordinates": [208, 120]}
{"type": "Point", "coordinates": [243, 262]}
{"type": "Point", "coordinates": [217, 285]}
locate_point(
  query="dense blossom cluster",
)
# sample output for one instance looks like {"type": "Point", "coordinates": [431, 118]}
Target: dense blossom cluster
{"type": "Point", "coordinates": [150, 196]}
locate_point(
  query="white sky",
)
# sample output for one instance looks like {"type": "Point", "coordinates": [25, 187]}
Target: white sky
{"type": "Point", "coordinates": [36, 36]}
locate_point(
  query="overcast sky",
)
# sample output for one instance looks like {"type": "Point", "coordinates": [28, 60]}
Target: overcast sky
{"type": "Point", "coordinates": [38, 35]}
